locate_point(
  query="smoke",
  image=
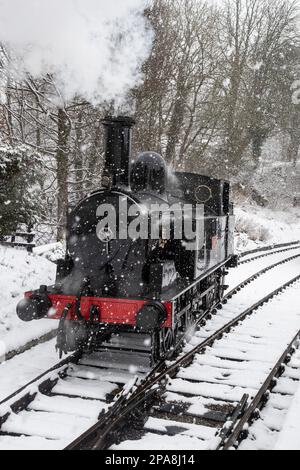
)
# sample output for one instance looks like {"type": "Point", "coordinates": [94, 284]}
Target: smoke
{"type": "Point", "coordinates": [93, 48]}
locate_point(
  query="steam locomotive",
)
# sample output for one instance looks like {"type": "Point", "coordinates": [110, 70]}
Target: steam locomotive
{"type": "Point", "coordinates": [146, 254]}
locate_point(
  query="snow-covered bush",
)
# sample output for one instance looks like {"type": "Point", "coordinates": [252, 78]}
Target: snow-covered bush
{"type": "Point", "coordinates": [20, 194]}
{"type": "Point", "coordinates": [253, 228]}
{"type": "Point", "coordinates": [257, 226]}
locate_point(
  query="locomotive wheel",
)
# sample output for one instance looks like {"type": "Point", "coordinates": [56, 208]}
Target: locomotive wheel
{"type": "Point", "coordinates": [190, 324]}
{"type": "Point", "coordinates": [168, 341]}
{"type": "Point", "coordinates": [213, 295]}
{"type": "Point", "coordinates": [216, 294]}
{"type": "Point", "coordinates": [210, 299]}
{"type": "Point", "coordinates": [163, 341]}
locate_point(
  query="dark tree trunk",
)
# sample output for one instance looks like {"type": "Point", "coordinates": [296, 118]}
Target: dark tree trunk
{"type": "Point", "coordinates": [10, 125]}
{"type": "Point", "coordinates": [78, 164]}
{"type": "Point", "coordinates": [258, 137]}
{"type": "Point", "coordinates": [176, 120]}
{"type": "Point", "coordinates": [293, 149]}
{"type": "Point", "coordinates": [62, 173]}
{"type": "Point", "coordinates": [294, 132]}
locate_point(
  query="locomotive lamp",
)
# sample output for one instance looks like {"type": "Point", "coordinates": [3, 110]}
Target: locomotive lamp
{"type": "Point", "coordinates": [35, 307]}
{"type": "Point", "coordinates": [152, 316]}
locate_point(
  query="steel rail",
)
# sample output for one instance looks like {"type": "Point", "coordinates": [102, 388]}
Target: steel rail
{"type": "Point", "coordinates": [240, 431]}
{"type": "Point", "coordinates": [73, 358]}
{"type": "Point", "coordinates": [31, 344]}
{"type": "Point", "coordinates": [265, 255]}
{"type": "Point", "coordinates": [26, 394]}
{"type": "Point", "coordinates": [103, 434]}
{"type": "Point", "coordinates": [255, 276]}
{"type": "Point", "coordinates": [268, 248]}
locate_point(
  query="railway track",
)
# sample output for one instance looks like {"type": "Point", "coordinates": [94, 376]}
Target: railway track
{"type": "Point", "coordinates": [269, 248]}
{"type": "Point", "coordinates": [83, 391]}
{"type": "Point", "coordinates": [85, 440]}
{"type": "Point", "coordinates": [192, 398]}
{"type": "Point", "coordinates": [274, 387]}
{"type": "Point", "coordinates": [63, 402]}
{"type": "Point", "coordinates": [265, 429]}
{"type": "Point", "coordinates": [254, 255]}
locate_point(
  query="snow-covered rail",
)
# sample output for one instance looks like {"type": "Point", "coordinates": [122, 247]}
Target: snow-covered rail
{"type": "Point", "coordinates": [258, 254]}
{"type": "Point", "coordinates": [30, 344]}
{"type": "Point", "coordinates": [59, 405]}
{"type": "Point", "coordinates": [256, 275]}
{"type": "Point", "coordinates": [269, 248]}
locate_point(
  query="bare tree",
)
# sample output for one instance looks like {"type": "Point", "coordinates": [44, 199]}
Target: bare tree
{"type": "Point", "coordinates": [35, 114]}
{"type": "Point", "coordinates": [255, 35]}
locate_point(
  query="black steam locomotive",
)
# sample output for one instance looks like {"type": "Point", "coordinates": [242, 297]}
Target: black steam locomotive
{"type": "Point", "coordinates": [146, 254]}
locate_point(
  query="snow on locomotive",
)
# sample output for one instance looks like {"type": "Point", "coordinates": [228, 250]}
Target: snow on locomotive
{"type": "Point", "coordinates": [146, 254]}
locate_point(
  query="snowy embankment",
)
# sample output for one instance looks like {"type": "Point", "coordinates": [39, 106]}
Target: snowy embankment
{"type": "Point", "coordinates": [256, 227]}
{"type": "Point", "coordinates": [20, 272]}
{"type": "Point", "coordinates": [52, 252]}
{"type": "Point", "coordinates": [22, 369]}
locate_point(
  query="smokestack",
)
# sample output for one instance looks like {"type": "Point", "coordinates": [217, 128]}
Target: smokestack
{"type": "Point", "coordinates": [118, 149]}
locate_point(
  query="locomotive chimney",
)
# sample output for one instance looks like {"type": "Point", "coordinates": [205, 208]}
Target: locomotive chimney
{"type": "Point", "coordinates": [118, 149]}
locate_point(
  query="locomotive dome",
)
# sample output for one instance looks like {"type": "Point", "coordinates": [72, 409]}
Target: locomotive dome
{"type": "Point", "coordinates": [149, 173]}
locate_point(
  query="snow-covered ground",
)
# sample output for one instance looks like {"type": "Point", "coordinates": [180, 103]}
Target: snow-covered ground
{"type": "Point", "coordinates": [24, 368]}
{"type": "Point", "coordinates": [52, 252]}
{"type": "Point", "coordinates": [20, 272]}
{"type": "Point", "coordinates": [289, 438]}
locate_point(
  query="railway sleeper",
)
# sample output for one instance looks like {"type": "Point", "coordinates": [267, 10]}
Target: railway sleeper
{"type": "Point", "coordinates": [211, 419]}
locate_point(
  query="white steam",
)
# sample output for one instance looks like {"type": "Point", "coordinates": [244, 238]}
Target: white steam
{"type": "Point", "coordinates": [93, 48]}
